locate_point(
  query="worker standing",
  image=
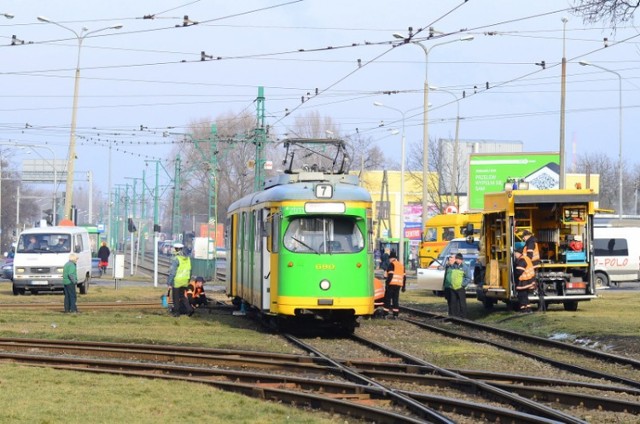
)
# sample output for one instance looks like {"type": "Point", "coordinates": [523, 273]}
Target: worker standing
{"type": "Point", "coordinates": [396, 280]}
{"type": "Point", "coordinates": [178, 280]}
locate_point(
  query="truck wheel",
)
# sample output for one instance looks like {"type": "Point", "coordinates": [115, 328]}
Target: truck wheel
{"type": "Point", "coordinates": [602, 280]}
{"type": "Point", "coordinates": [84, 287]}
{"type": "Point", "coordinates": [488, 304]}
{"type": "Point", "coordinates": [571, 306]}
{"type": "Point", "coordinates": [17, 291]}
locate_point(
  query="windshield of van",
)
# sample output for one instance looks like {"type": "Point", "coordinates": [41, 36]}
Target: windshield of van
{"type": "Point", "coordinates": [44, 243]}
{"type": "Point", "coordinates": [323, 235]}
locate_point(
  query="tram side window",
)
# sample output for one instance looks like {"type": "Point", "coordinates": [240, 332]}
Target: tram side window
{"type": "Point", "coordinates": [610, 247]}
{"type": "Point", "coordinates": [323, 235]}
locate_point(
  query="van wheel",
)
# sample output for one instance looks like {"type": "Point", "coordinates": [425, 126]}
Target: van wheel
{"type": "Point", "coordinates": [602, 280]}
{"type": "Point", "coordinates": [571, 306]}
{"type": "Point", "coordinates": [84, 287]}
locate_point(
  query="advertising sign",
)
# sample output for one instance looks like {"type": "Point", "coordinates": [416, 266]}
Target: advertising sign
{"type": "Point", "coordinates": [488, 173]}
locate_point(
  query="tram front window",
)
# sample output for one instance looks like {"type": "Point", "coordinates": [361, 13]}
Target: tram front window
{"type": "Point", "coordinates": [323, 235]}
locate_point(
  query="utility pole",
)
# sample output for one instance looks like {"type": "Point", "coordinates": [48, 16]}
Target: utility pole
{"type": "Point", "coordinates": [563, 94]}
{"type": "Point", "coordinates": [260, 139]}
{"type": "Point", "coordinates": [176, 217]}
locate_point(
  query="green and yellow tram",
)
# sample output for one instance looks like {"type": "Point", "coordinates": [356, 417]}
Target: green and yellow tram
{"type": "Point", "coordinates": [303, 249]}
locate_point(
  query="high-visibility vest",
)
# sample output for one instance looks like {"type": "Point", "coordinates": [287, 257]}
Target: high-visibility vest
{"type": "Point", "coordinates": [398, 273]}
{"type": "Point", "coordinates": [183, 273]}
{"type": "Point", "coordinates": [528, 272]}
{"type": "Point", "coordinates": [378, 293]}
{"type": "Point", "coordinates": [535, 253]}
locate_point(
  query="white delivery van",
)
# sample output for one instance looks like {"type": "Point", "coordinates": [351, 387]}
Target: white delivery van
{"type": "Point", "coordinates": [41, 254]}
{"type": "Point", "coordinates": [616, 253]}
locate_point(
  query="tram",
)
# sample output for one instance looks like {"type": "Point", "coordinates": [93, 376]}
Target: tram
{"type": "Point", "coordinates": [301, 249]}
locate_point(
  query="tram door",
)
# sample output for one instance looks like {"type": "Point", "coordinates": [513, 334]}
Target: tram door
{"type": "Point", "coordinates": [265, 285]}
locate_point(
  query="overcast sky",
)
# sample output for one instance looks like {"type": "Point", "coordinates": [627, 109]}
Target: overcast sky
{"type": "Point", "coordinates": [149, 73]}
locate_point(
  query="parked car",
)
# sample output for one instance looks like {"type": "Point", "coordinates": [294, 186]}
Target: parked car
{"type": "Point", "coordinates": [7, 269]}
{"type": "Point", "coordinates": [431, 278]}
{"type": "Point", "coordinates": [164, 247]}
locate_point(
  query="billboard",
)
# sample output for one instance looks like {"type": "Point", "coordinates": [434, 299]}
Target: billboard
{"type": "Point", "coordinates": [488, 173]}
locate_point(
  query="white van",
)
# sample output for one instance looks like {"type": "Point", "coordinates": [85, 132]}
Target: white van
{"type": "Point", "coordinates": [616, 254]}
{"type": "Point", "coordinates": [41, 254]}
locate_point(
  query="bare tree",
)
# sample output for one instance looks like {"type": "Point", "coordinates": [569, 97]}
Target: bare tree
{"type": "Point", "coordinates": [441, 165]}
{"type": "Point", "coordinates": [234, 151]}
{"type": "Point", "coordinates": [614, 11]}
{"type": "Point", "coordinates": [596, 163]}
{"type": "Point", "coordinates": [364, 155]}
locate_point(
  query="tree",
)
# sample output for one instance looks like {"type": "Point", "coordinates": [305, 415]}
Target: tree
{"type": "Point", "coordinates": [440, 164]}
{"type": "Point", "coordinates": [597, 163]}
{"type": "Point", "coordinates": [615, 11]}
{"type": "Point", "coordinates": [235, 150]}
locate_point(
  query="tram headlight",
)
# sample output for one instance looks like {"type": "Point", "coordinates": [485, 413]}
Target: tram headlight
{"type": "Point", "coordinates": [325, 284]}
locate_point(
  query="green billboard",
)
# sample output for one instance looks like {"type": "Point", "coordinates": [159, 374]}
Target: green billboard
{"type": "Point", "coordinates": [488, 173]}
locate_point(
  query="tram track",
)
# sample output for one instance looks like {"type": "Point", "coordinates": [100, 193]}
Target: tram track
{"type": "Point", "coordinates": [435, 405]}
{"type": "Point", "coordinates": [583, 361]}
{"type": "Point", "coordinates": [276, 370]}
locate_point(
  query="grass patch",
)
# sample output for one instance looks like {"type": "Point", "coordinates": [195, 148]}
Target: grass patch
{"type": "Point", "coordinates": [611, 319]}
{"type": "Point", "coordinates": [75, 397]}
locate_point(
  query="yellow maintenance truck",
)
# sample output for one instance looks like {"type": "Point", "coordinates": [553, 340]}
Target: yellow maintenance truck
{"type": "Point", "coordinates": [562, 223]}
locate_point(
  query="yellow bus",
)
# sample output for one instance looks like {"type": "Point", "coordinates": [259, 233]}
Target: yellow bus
{"type": "Point", "coordinates": [440, 229]}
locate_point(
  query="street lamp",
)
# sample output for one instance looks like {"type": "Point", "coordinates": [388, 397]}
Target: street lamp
{"type": "Point", "coordinates": [84, 32]}
{"type": "Point", "coordinates": [585, 63]}
{"type": "Point", "coordinates": [425, 123]}
{"type": "Point", "coordinates": [454, 163]}
{"type": "Point", "coordinates": [402, 160]}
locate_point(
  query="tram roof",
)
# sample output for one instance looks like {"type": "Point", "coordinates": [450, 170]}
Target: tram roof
{"type": "Point", "coordinates": [301, 187]}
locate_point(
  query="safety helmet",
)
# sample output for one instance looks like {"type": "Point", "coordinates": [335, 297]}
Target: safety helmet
{"type": "Point", "coordinates": [178, 246]}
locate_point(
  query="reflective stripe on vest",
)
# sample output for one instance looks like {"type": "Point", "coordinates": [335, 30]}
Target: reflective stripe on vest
{"type": "Point", "coordinates": [535, 253]}
{"type": "Point", "coordinates": [398, 274]}
{"type": "Point", "coordinates": [528, 272]}
{"type": "Point", "coordinates": [183, 273]}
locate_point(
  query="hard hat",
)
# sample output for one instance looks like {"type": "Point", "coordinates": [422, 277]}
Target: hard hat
{"type": "Point", "coordinates": [178, 246]}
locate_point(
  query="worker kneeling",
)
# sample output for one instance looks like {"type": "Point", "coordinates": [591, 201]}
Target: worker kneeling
{"type": "Point", "coordinates": [195, 293]}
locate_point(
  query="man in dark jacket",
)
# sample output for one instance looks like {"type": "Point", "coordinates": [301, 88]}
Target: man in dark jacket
{"type": "Point", "coordinates": [103, 254]}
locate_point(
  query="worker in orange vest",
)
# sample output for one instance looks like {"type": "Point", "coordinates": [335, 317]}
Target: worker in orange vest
{"type": "Point", "coordinates": [396, 280]}
{"type": "Point", "coordinates": [525, 279]}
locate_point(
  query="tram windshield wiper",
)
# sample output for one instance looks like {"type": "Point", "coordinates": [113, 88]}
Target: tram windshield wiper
{"type": "Point", "coordinates": [305, 245]}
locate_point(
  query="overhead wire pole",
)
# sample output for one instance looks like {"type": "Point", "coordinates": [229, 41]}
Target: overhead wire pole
{"type": "Point", "coordinates": [425, 118]}
{"type": "Point", "coordinates": [585, 63]}
{"type": "Point", "coordinates": [212, 211]}
{"type": "Point", "coordinates": [563, 95]}
{"type": "Point", "coordinates": [260, 139]}
{"type": "Point", "coordinates": [176, 217]}
{"type": "Point", "coordinates": [68, 200]}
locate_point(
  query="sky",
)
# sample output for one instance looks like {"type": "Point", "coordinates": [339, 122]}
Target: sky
{"type": "Point", "coordinates": [141, 86]}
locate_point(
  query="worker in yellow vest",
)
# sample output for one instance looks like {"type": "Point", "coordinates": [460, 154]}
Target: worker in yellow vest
{"type": "Point", "coordinates": [178, 281]}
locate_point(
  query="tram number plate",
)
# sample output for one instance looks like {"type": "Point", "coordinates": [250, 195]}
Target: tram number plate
{"type": "Point", "coordinates": [324, 191]}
